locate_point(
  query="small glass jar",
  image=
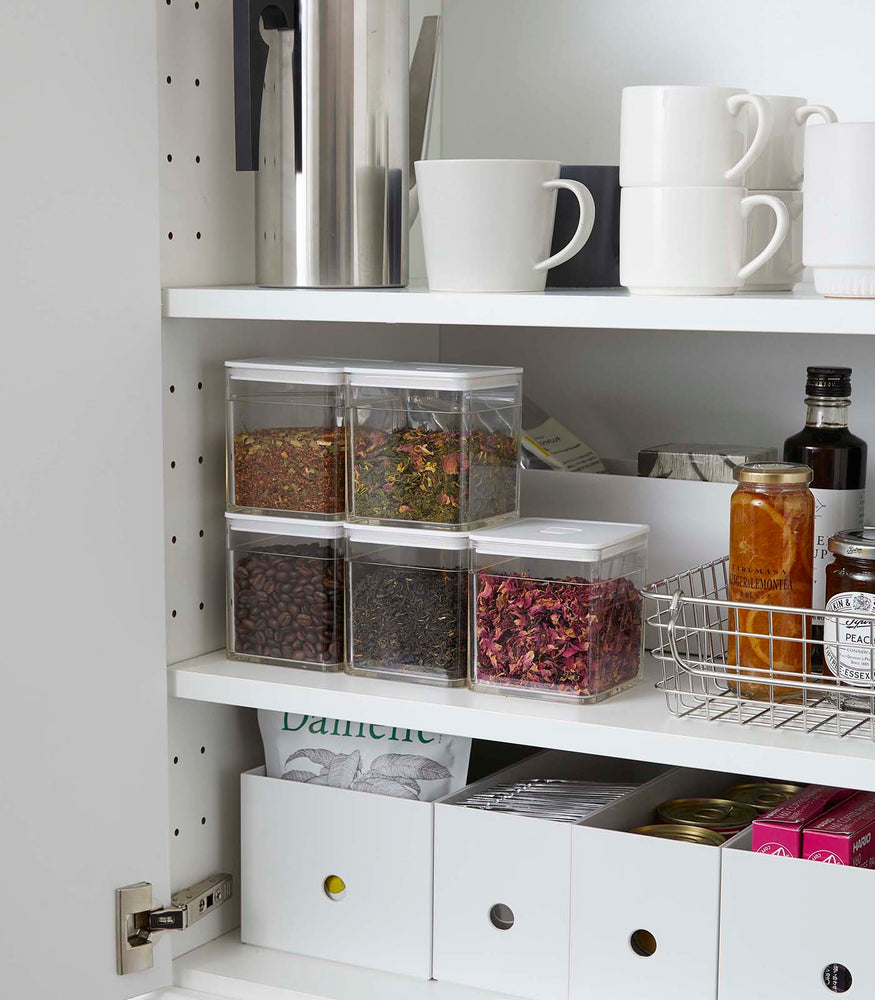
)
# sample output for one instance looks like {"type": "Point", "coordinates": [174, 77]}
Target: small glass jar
{"type": "Point", "coordinates": [434, 446]}
{"type": "Point", "coordinates": [556, 610]}
{"type": "Point", "coordinates": [850, 596]}
{"type": "Point", "coordinates": [285, 592]}
{"type": "Point", "coordinates": [771, 562]}
{"type": "Point", "coordinates": [407, 594]}
{"type": "Point", "coordinates": [286, 437]}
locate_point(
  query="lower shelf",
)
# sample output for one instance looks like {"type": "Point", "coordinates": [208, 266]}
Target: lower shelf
{"type": "Point", "coordinates": [636, 724]}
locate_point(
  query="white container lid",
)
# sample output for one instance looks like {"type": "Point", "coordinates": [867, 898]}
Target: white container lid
{"type": "Point", "coordinates": [423, 538]}
{"type": "Point", "coordinates": [425, 375]}
{"type": "Point", "coordinates": [312, 371]}
{"type": "Point", "coordinates": [295, 526]}
{"type": "Point", "coordinates": [549, 538]}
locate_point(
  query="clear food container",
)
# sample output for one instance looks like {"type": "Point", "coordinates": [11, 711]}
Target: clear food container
{"type": "Point", "coordinates": [407, 595]}
{"type": "Point", "coordinates": [555, 608]}
{"type": "Point", "coordinates": [286, 437]}
{"type": "Point", "coordinates": [433, 445]}
{"type": "Point", "coordinates": [285, 591]}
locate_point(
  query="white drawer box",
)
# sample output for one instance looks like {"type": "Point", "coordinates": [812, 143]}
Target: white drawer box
{"type": "Point", "coordinates": [486, 859]}
{"type": "Point", "coordinates": [785, 923]}
{"type": "Point", "coordinates": [630, 892]}
{"type": "Point", "coordinates": [295, 836]}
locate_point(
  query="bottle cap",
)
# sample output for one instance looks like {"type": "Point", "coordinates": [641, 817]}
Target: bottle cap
{"type": "Point", "coordinates": [773, 473]}
{"type": "Point", "coordinates": [828, 382]}
{"type": "Point", "coordinates": [858, 543]}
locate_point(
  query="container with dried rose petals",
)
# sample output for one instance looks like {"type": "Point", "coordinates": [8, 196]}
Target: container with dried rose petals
{"type": "Point", "coordinates": [432, 445]}
{"type": "Point", "coordinates": [286, 437]}
{"type": "Point", "coordinates": [555, 608]}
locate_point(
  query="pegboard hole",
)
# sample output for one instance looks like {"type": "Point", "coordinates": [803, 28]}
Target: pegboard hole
{"type": "Point", "coordinates": [201, 606]}
{"type": "Point", "coordinates": [643, 943]}
{"type": "Point", "coordinates": [173, 388]}
{"type": "Point", "coordinates": [176, 832]}
{"type": "Point", "coordinates": [837, 978]}
{"type": "Point", "coordinates": [169, 79]}
{"type": "Point", "coordinates": [200, 385]}
{"type": "Point", "coordinates": [197, 159]}
{"type": "Point", "coordinates": [203, 820]}
{"type": "Point", "coordinates": [170, 236]}
{"type": "Point", "coordinates": [197, 235]}
{"type": "Point", "coordinates": [173, 465]}
{"type": "Point", "coordinates": [173, 613]}
{"type": "Point", "coordinates": [175, 760]}
{"type": "Point", "coordinates": [200, 534]}
{"type": "Point", "coordinates": [200, 460]}
{"type": "Point", "coordinates": [335, 888]}
{"type": "Point", "coordinates": [197, 5]}
{"type": "Point", "coordinates": [173, 540]}
{"type": "Point", "coordinates": [203, 749]}
{"type": "Point", "coordinates": [501, 916]}
{"type": "Point", "coordinates": [170, 157]}
{"type": "Point", "coordinates": [197, 82]}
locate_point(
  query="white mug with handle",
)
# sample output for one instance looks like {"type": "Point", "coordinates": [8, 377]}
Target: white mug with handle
{"type": "Point", "coordinates": [780, 165]}
{"type": "Point", "coordinates": [487, 225]}
{"type": "Point", "coordinates": [689, 136]}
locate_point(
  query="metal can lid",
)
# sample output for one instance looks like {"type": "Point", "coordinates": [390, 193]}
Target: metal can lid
{"type": "Point", "coordinates": [858, 543]}
{"type": "Point", "coordinates": [763, 795]}
{"type": "Point", "coordinates": [773, 473]}
{"type": "Point", "coordinates": [722, 815]}
{"type": "Point", "coordinates": [688, 834]}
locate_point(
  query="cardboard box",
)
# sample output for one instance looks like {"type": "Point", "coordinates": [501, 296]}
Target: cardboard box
{"type": "Point", "coordinates": [779, 831]}
{"type": "Point", "coordinates": [845, 835]}
{"type": "Point", "coordinates": [711, 463]}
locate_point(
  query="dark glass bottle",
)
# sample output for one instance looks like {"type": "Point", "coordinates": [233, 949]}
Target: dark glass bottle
{"type": "Point", "coordinates": [838, 459]}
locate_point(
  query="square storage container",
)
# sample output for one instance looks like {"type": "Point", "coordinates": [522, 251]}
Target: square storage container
{"type": "Point", "coordinates": [434, 445]}
{"type": "Point", "coordinates": [407, 601]}
{"type": "Point", "coordinates": [286, 437]}
{"type": "Point", "coordinates": [502, 884]}
{"type": "Point", "coordinates": [285, 591]}
{"type": "Point", "coordinates": [555, 608]}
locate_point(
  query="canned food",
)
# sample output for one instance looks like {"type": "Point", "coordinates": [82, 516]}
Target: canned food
{"type": "Point", "coordinates": [688, 834]}
{"type": "Point", "coordinates": [722, 815]}
{"type": "Point", "coordinates": [763, 795]}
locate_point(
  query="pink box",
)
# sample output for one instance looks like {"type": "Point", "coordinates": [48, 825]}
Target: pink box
{"type": "Point", "coordinates": [779, 831]}
{"type": "Point", "coordinates": [845, 835]}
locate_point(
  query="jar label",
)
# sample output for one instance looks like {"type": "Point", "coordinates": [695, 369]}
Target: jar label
{"type": "Point", "coordinates": [851, 662]}
{"type": "Point", "coordinates": [834, 510]}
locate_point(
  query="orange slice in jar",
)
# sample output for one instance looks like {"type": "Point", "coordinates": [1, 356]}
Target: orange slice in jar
{"type": "Point", "coordinates": [763, 538]}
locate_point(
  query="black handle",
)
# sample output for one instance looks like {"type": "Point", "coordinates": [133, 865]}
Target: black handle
{"type": "Point", "coordinates": [250, 62]}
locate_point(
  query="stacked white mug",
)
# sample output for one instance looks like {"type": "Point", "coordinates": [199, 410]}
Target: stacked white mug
{"type": "Point", "coordinates": [683, 207]}
{"type": "Point", "coordinates": [778, 172]}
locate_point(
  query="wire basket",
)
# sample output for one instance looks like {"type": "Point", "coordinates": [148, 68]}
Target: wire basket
{"type": "Point", "coordinates": [702, 635]}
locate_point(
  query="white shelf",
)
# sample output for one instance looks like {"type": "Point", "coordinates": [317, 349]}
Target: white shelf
{"type": "Point", "coordinates": [227, 968]}
{"type": "Point", "coordinates": [636, 724]}
{"type": "Point", "coordinates": [802, 311]}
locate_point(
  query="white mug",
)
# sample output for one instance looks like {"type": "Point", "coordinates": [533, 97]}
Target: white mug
{"type": "Point", "coordinates": [784, 270]}
{"type": "Point", "coordinates": [780, 165]}
{"type": "Point", "coordinates": [691, 240]}
{"type": "Point", "coordinates": [487, 225]}
{"type": "Point", "coordinates": [839, 237]}
{"type": "Point", "coordinates": [679, 136]}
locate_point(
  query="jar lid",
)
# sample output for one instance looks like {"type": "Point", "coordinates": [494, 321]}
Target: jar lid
{"type": "Point", "coordinates": [828, 383]}
{"type": "Point", "coordinates": [857, 542]}
{"type": "Point", "coordinates": [298, 527]}
{"type": "Point", "coordinates": [417, 538]}
{"type": "Point", "coordinates": [546, 538]}
{"type": "Point", "coordinates": [292, 371]}
{"type": "Point", "coordinates": [429, 375]}
{"type": "Point", "coordinates": [773, 473]}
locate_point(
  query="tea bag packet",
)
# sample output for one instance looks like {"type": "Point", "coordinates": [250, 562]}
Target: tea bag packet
{"type": "Point", "coordinates": [556, 799]}
{"type": "Point", "coordinates": [384, 760]}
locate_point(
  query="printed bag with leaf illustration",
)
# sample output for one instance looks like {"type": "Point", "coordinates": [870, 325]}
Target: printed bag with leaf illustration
{"type": "Point", "coordinates": [386, 760]}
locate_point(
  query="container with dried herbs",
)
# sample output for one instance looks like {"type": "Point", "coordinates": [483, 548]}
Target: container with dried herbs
{"type": "Point", "coordinates": [408, 604]}
{"type": "Point", "coordinates": [286, 437]}
{"type": "Point", "coordinates": [286, 592]}
{"type": "Point", "coordinates": [556, 608]}
{"type": "Point", "coordinates": [434, 445]}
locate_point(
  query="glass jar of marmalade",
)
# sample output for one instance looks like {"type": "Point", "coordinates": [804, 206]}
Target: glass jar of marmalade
{"type": "Point", "coordinates": [850, 594]}
{"type": "Point", "coordinates": [771, 536]}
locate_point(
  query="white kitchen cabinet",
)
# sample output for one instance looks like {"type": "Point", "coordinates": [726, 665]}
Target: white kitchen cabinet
{"type": "Point", "coordinates": [108, 194]}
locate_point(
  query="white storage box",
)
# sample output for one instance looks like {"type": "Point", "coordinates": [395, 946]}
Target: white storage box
{"type": "Point", "coordinates": [488, 860]}
{"type": "Point", "coordinates": [793, 928]}
{"type": "Point", "coordinates": [632, 892]}
{"type": "Point", "coordinates": [297, 840]}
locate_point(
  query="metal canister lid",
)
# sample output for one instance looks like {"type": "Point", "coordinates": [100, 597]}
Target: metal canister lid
{"type": "Point", "coordinates": [688, 834]}
{"type": "Point", "coordinates": [773, 473]}
{"type": "Point", "coordinates": [858, 543]}
{"type": "Point", "coordinates": [763, 795]}
{"type": "Point", "coordinates": [722, 815]}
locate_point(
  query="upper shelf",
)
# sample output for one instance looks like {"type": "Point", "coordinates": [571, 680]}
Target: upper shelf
{"type": "Point", "coordinates": [802, 311]}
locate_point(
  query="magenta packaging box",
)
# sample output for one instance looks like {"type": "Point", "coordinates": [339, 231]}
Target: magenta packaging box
{"type": "Point", "coordinates": [845, 835]}
{"type": "Point", "coordinates": [779, 832]}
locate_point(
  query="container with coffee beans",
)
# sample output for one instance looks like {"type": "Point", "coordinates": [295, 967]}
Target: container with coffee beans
{"type": "Point", "coordinates": [286, 592]}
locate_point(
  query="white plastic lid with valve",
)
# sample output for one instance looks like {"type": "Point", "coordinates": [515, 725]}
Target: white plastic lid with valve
{"type": "Point", "coordinates": [430, 375]}
{"type": "Point", "coordinates": [555, 538]}
{"type": "Point", "coordinates": [423, 538]}
{"type": "Point", "coordinates": [311, 371]}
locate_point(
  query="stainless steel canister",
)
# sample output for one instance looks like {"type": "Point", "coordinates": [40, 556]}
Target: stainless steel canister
{"type": "Point", "coordinates": [327, 117]}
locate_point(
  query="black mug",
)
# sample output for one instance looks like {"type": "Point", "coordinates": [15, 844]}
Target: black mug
{"type": "Point", "coordinates": [598, 263]}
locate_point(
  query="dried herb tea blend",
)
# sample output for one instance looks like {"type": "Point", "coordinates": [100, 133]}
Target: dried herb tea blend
{"type": "Point", "coordinates": [290, 468]}
{"type": "Point", "coordinates": [288, 604]}
{"type": "Point", "coordinates": [410, 621]}
{"type": "Point", "coordinates": [568, 636]}
{"type": "Point", "coordinates": [437, 476]}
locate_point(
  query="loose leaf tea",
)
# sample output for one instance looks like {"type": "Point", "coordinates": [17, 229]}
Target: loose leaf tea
{"type": "Point", "coordinates": [290, 468]}
{"type": "Point", "coordinates": [288, 604]}
{"type": "Point", "coordinates": [570, 636]}
{"type": "Point", "coordinates": [439, 476]}
{"type": "Point", "coordinates": [409, 620]}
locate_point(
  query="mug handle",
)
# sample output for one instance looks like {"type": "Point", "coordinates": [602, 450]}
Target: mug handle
{"type": "Point", "coordinates": [782, 227]}
{"type": "Point", "coordinates": [584, 225]}
{"type": "Point", "coordinates": [806, 111]}
{"type": "Point", "coordinates": [761, 136]}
